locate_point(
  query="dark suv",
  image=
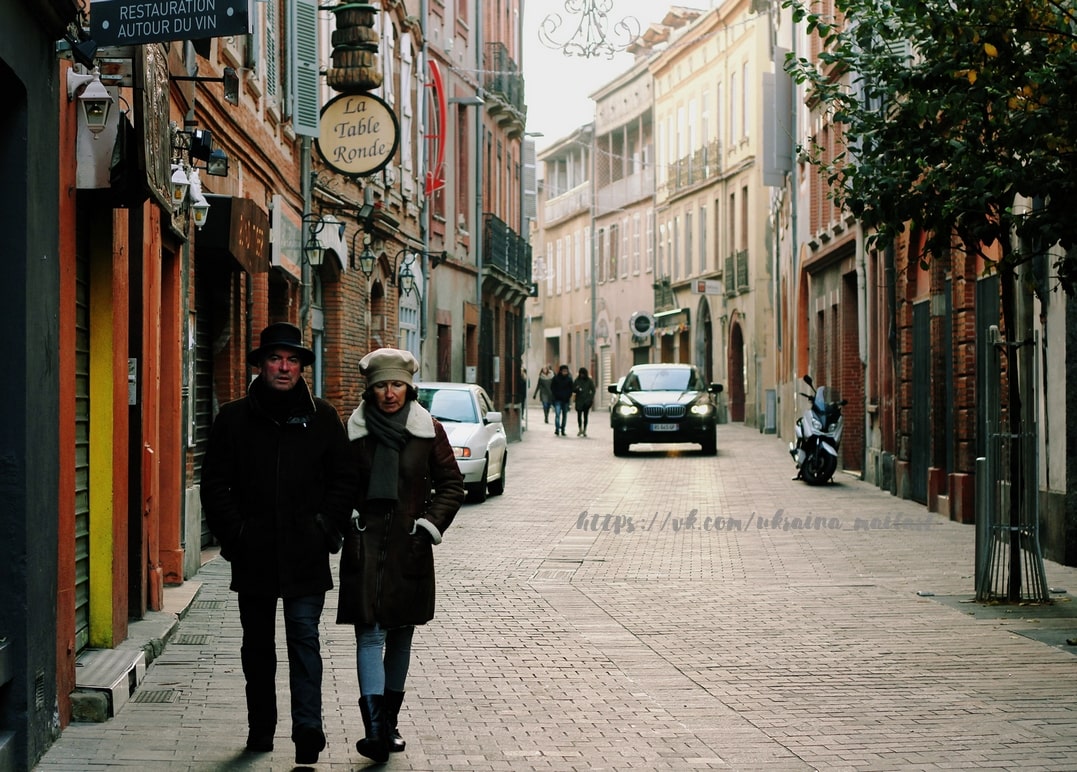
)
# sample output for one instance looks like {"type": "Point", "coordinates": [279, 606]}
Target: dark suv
{"type": "Point", "coordinates": [664, 403]}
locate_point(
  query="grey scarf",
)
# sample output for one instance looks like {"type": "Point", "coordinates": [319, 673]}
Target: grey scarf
{"type": "Point", "coordinates": [391, 436]}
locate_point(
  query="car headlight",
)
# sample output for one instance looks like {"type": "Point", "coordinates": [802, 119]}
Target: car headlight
{"type": "Point", "coordinates": [702, 408]}
{"type": "Point", "coordinates": [627, 410]}
{"type": "Point", "coordinates": [461, 452]}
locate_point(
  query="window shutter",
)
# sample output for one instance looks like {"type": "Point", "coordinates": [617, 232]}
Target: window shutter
{"type": "Point", "coordinates": [303, 62]}
{"type": "Point", "coordinates": [271, 53]}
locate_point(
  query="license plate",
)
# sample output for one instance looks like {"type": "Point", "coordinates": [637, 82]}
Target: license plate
{"type": "Point", "coordinates": [664, 427]}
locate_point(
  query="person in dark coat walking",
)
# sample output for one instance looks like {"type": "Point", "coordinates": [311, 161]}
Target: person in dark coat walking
{"type": "Point", "coordinates": [583, 393]}
{"type": "Point", "coordinates": [561, 387]}
{"type": "Point", "coordinates": [276, 476]}
{"type": "Point", "coordinates": [410, 489]}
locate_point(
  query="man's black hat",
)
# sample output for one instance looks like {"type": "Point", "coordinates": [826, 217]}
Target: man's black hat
{"type": "Point", "coordinates": [280, 335]}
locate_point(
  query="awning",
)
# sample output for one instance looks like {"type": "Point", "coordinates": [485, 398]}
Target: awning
{"type": "Point", "coordinates": [237, 228]}
{"type": "Point", "coordinates": [672, 321]}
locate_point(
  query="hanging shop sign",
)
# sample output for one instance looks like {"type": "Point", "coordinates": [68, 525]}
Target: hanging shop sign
{"type": "Point", "coordinates": [237, 228]}
{"type": "Point", "coordinates": [706, 287]}
{"type": "Point", "coordinates": [359, 134]}
{"type": "Point", "coordinates": [132, 22]}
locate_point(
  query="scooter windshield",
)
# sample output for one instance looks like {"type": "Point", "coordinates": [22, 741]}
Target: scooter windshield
{"type": "Point", "coordinates": [820, 399]}
{"type": "Point", "coordinates": [824, 397]}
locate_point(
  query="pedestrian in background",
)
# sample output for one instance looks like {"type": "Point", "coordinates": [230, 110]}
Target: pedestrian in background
{"type": "Point", "coordinates": [410, 489]}
{"type": "Point", "coordinates": [275, 477]}
{"type": "Point", "coordinates": [561, 389]}
{"type": "Point", "coordinates": [523, 387]}
{"type": "Point", "coordinates": [544, 391]}
{"type": "Point", "coordinates": [583, 394]}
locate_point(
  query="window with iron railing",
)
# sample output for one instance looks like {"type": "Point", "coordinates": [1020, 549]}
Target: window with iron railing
{"type": "Point", "coordinates": [503, 76]}
{"type": "Point", "coordinates": [702, 164]}
{"type": "Point", "coordinates": [506, 251]}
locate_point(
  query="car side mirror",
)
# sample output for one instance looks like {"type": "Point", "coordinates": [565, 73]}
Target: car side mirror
{"type": "Point", "coordinates": [716, 388]}
{"type": "Point", "coordinates": [612, 388]}
{"type": "Point", "coordinates": [493, 417]}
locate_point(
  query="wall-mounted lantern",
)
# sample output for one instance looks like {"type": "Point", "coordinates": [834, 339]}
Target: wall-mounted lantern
{"type": "Point", "coordinates": [94, 99]}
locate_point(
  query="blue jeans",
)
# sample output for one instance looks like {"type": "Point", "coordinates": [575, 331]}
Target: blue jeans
{"type": "Point", "coordinates": [560, 415]}
{"type": "Point", "coordinates": [376, 674]}
{"type": "Point", "coordinates": [258, 616]}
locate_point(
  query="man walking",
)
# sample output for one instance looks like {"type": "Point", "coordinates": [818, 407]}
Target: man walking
{"type": "Point", "coordinates": [561, 387]}
{"type": "Point", "coordinates": [275, 477]}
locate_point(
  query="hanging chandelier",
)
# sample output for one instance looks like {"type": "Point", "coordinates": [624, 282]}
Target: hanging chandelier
{"type": "Point", "coordinates": [593, 35]}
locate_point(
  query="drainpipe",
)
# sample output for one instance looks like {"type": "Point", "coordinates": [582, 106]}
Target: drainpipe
{"type": "Point", "coordinates": [593, 362]}
{"type": "Point", "coordinates": [424, 211]}
{"type": "Point", "coordinates": [862, 294]}
{"type": "Point", "coordinates": [480, 130]}
{"type": "Point", "coordinates": [304, 187]}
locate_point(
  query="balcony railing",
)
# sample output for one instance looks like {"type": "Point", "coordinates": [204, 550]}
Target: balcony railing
{"type": "Point", "coordinates": [701, 165]}
{"type": "Point", "coordinates": [622, 192]}
{"type": "Point", "coordinates": [505, 250]}
{"type": "Point", "coordinates": [567, 204]}
{"type": "Point", "coordinates": [503, 77]}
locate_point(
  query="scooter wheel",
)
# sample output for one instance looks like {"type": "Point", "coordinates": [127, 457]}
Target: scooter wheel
{"type": "Point", "coordinates": [818, 468]}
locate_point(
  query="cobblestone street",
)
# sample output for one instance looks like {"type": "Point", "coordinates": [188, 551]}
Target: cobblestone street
{"type": "Point", "coordinates": [664, 611]}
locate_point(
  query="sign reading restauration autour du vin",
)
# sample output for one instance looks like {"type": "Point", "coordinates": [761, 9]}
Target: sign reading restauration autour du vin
{"type": "Point", "coordinates": [359, 134]}
{"type": "Point", "coordinates": [133, 22]}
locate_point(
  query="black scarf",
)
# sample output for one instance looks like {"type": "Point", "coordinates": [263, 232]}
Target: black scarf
{"type": "Point", "coordinates": [391, 434]}
{"type": "Point", "coordinates": [280, 405]}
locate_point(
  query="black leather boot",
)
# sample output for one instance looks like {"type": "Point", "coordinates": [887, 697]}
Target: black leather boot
{"type": "Point", "coordinates": [309, 743]}
{"type": "Point", "coordinates": [393, 701]}
{"type": "Point", "coordinates": [375, 746]}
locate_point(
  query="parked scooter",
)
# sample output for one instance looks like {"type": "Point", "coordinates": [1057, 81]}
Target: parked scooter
{"type": "Point", "coordinates": [818, 433]}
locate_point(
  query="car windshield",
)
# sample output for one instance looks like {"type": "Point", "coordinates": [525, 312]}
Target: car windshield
{"type": "Point", "coordinates": [449, 405]}
{"type": "Point", "coordinates": [674, 379]}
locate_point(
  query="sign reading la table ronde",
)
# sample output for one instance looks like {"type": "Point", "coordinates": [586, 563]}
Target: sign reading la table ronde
{"type": "Point", "coordinates": [359, 134]}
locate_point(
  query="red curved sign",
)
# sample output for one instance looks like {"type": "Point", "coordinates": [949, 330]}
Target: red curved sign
{"type": "Point", "coordinates": [435, 176]}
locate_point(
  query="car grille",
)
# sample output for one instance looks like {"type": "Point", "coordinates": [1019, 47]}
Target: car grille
{"type": "Point", "coordinates": [663, 411]}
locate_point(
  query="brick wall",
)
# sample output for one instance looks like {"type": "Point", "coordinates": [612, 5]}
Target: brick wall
{"type": "Point", "coordinates": [963, 296]}
{"type": "Point", "coordinates": [851, 376]}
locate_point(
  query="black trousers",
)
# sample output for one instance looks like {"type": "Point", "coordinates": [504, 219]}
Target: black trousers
{"type": "Point", "coordinates": [258, 616]}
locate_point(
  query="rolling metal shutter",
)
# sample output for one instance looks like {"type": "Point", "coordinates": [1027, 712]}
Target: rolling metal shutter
{"type": "Point", "coordinates": [203, 382]}
{"type": "Point", "coordinates": [82, 452]}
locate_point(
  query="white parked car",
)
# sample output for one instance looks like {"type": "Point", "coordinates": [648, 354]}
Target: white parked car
{"type": "Point", "coordinates": [475, 432]}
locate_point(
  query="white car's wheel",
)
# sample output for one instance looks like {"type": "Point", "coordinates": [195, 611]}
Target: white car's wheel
{"type": "Point", "coordinates": [497, 487]}
{"type": "Point", "coordinates": [477, 491]}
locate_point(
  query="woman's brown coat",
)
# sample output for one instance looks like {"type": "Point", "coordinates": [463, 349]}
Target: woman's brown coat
{"type": "Point", "coordinates": [387, 564]}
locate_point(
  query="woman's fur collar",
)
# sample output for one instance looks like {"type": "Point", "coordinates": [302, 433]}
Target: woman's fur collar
{"type": "Point", "coordinates": [420, 422]}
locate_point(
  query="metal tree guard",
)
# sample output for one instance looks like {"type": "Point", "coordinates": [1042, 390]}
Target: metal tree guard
{"type": "Point", "coordinates": [1010, 563]}
{"type": "Point", "coordinates": [591, 37]}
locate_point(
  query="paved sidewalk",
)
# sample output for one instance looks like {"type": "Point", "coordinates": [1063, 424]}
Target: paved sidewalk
{"type": "Point", "coordinates": [664, 611]}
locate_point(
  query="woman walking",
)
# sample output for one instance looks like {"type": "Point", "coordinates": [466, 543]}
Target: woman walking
{"type": "Point", "coordinates": [410, 489]}
{"type": "Point", "coordinates": [544, 391]}
{"type": "Point", "coordinates": [583, 392]}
